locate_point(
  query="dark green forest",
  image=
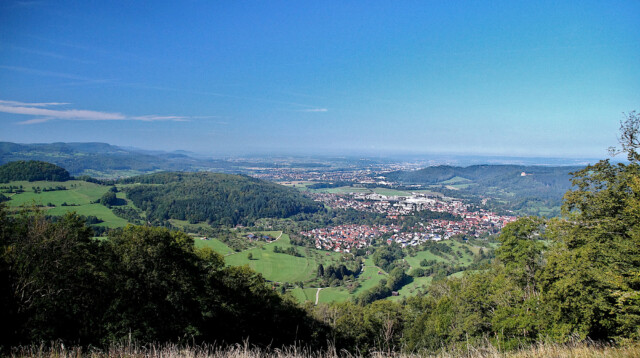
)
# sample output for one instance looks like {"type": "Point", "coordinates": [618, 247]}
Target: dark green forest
{"type": "Point", "coordinates": [217, 199]}
{"type": "Point", "coordinates": [32, 171]}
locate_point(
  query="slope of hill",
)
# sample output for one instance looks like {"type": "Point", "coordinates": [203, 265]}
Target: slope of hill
{"type": "Point", "coordinates": [218, 199]}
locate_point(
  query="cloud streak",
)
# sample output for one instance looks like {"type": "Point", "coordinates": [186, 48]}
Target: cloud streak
{"type": "Point", "coordinates": [45, 114]}
{"type": "Point", "coordinates": [314, 110]}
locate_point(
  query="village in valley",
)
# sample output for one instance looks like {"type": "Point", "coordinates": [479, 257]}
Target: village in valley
{"type": "Point", "coordinates": [468, 221]}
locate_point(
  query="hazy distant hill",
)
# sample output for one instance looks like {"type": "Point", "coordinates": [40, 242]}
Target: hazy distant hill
{"type": "Point", "coordinates": [105, 160]}
{"type": "Point", "coordinates": [525, 189]}
{"type": "Point", "coordinates": [102, 160]}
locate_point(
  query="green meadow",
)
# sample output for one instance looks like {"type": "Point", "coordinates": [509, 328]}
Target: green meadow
{"type": "Point", "coordinates": [414, 261]}
{"type": "Point", "coordinates": [419, 284]}
{"type": "Point", "coordinates": [281, 267]}
{"type": "Point", "coordinates": [303, 294]}
{"type": "Point", "coordinates": [368, 278]}
{"type": "Point", "coordinates": [214, 244]}
{"type": "Point", "coordinates": [80, 197]}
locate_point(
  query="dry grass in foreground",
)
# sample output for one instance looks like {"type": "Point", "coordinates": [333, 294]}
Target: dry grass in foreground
{"type": "Point", "coordinates": [540, 350]}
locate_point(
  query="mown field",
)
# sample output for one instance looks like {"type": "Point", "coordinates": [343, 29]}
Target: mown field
{"type": "Point", "coordinates": [281, 267]}
{"type": "Point", "coordinates": [214, 244]}
{"type": "Point", "coordinates": [80, 197]}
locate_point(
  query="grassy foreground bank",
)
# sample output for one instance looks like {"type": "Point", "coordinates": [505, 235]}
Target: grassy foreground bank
{"type": "Point", "coordinates": [540, 350]}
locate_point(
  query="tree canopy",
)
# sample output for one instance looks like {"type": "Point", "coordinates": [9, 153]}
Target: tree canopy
{"type": "Point", "coordinates": [218, 199]}
{"type": "Point", "coordinates": [32, 170]}
{"type": "Point", "coordinates": [150, 284]}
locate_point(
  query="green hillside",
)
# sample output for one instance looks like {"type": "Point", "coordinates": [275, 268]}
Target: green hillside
{"type": "Point", "coordinates": [58, 198]}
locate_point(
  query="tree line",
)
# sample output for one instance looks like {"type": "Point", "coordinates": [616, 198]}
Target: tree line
{"type": "Point", "coordinates": [150, 284]}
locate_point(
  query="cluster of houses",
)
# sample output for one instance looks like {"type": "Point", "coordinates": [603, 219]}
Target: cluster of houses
{"type": "Point", "coordinates": [436, 230]}
{"type": "Point", "coordinates": [265, 238]}
{"type": "Point", "coordinates": [404, 205]}
{"type": "Point", "coordinates": [300, 174]}
{"type": "Point", "coordinates": [347, 238]}
{"type": "Point", "coordinates": [473, 222]}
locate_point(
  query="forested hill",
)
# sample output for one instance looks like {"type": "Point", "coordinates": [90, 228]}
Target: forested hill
{"type": "Point", "coordinates": [218, 199]}
{"type": "Point", "coordinates": [538, 186]}
{"type": "Point", "coordinates": [32, 171]}
{"type": "Point", "coordinates": [485, 174]}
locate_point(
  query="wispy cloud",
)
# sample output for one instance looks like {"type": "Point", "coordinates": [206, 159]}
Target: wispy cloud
{"type": "Point", "coordinates": [314, 110]}
{"type": "Point", "coordinates": [43, 104]}
{"type": "Point", "coordinates": [50, 54]}
{"type": "Point", "coordinates": [160, 118]}
{"type": "Point", "coordinates": [33, 71]}
{"type": "Point", "coordinates": [45, 114]}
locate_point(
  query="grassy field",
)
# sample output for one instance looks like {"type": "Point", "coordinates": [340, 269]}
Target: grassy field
{"type": "Point", "coordinates": [214, 244]}
{"type": "Point", "coordinates": [304, 295]}
{"type": "Point", "coordinates": [458, 186]}
{"type": "Point", "coordinates": [414, 261]}
{"type": "Point", "coordinates": [78, 196]}
{"type": "Point", "coordinates": [334, 294]}
{"type": "Point", "coordinates": [456, 180]}
{"type": "Point", "coordinates": [282, 267]}
{"type": "Point", "coordinates": [464, 259]}
{"type": "Point", "coordinates": [391, 192]}
{"type": "Point", "coordinates": [411, 289]}
{"type": "Point", "coordinates": [345, 190]}
{"type": "Point", "coordinates": [369, 277]}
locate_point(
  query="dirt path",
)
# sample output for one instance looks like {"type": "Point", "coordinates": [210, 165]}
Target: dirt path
{"type": "Point", "coordinates": [318, 295]}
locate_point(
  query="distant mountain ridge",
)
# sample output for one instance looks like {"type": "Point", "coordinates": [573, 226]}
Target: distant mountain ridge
{"type": "Point", "coordinates": [106, 160]}
{"type": "Point", "coordinates": [484, 172]}
{"type": "Point", "coordinates": [520, 187]}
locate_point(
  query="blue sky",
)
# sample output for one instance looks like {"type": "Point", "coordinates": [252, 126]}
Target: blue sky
{"type": "Point", "coordinates": [539, 78]}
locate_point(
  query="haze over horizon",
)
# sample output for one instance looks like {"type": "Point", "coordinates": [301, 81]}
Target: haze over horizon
{"type": "Point", "coordinates": [542, 79]}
